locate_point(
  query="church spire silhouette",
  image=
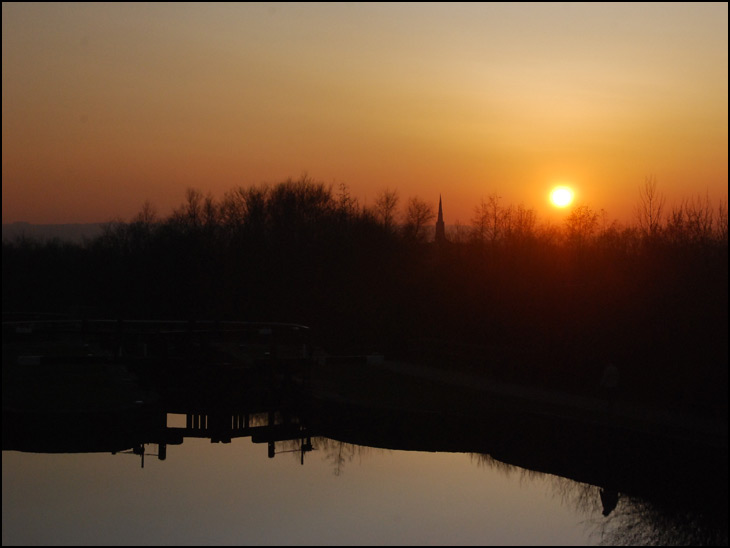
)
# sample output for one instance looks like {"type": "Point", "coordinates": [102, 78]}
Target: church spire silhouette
{"type": "Point", "coordinates": [440, 229]}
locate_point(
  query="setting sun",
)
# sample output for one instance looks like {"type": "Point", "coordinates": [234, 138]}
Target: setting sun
{"type": "Point", "coordinates": [561, 196]}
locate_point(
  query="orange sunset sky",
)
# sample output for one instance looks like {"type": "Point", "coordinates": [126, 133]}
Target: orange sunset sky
{"type": "Point", "coordinates": [105, 106]}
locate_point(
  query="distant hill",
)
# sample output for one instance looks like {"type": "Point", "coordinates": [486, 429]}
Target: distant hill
{"type": "Point", "coordinates": [75, 232]}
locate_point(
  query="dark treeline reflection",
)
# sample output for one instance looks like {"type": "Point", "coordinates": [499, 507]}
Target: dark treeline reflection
{"type": "Point", "coordinates": [629, 520]}
{"type": "Point", "coordinates": [518, 301]}
{"type": "Point", "coordinates": [288, 424]}
{"type": "Point", "coordinates": [114, 386]}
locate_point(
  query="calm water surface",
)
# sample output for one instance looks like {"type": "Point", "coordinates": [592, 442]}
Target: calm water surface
{"type": "Point", "coordinates": [206, 493]}
{"type": "Point", "coordinates": [436, 485]}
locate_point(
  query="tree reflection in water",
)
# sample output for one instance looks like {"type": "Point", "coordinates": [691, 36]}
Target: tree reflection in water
{"type": "Point", "coordinates": [631, 521]}
{"type": "Point", "coordinates": [639, 522]}
{"type": "Point", "coordinates": [338, 453]}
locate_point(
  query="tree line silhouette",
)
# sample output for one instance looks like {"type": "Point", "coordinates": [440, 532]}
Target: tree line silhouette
{"type": "Point", "coordinates": [519, 300]}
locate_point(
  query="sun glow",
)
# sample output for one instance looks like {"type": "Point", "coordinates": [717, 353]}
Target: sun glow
{"type": "Point", "coordinates": [561, 196]}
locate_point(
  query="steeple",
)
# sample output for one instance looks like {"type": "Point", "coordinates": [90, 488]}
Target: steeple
{"type": "Point", "coordinates": [440, 230]}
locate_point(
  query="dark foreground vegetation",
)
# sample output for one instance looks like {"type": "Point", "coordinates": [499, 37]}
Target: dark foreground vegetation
{"type": "Point", "coordinates": [548, 305]}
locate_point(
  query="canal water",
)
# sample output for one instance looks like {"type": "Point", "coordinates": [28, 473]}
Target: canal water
{"type": "Point", "coordinates": [192, 441]}
{"type": "Point", "coordinates": [206, 493]}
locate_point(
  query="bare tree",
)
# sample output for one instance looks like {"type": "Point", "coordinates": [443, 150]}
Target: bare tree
{"type": "Point", "coordinates": [698, 213]}
{"type": "Point", "coordinates": [418, 215]}
{"type": "Point", "coordinates": [721, 224]}
{"type": "Point", "coordinates": [386, 204]}
{"type": "Point", "coordinates": [523, 221]}
{"type": "Point", "coordinates": [650, 208]}
{"type": "Point", "coordinates": [695, 221]}
{"type": "Point", "coordinates": [581, 224]}
{"type": "Point", "coordinates": [147, 216]}
{"type": "Point", "coordinates": [233, 207]}
{"type": "Point", "coordinates": [459, 233]}
{"type": "Point", "coordinates": [549, 234]}
{"type": "Point", "coordinates": [480, 221]}
{"type": "Point", "coordinates": [491, 220]}
{"type": "Point", "coordinates": [346, 204]}
{"type": "Point", "coordinates": [256, 201]}
{"type": "Point", "coordinates": [675, 227]}
{"type": "Point", "coordinates": [299, 203]}
{"type": "Point", "coordinates": [190, 214]}
{"type": "Point", "coordinates": [211, 212]}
